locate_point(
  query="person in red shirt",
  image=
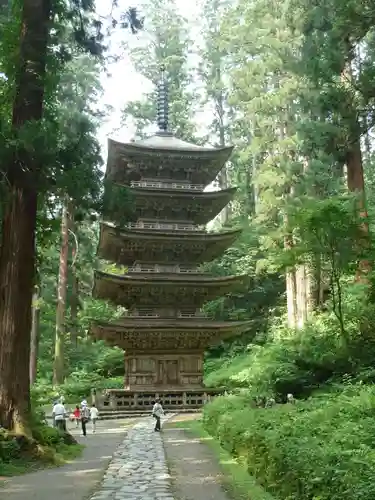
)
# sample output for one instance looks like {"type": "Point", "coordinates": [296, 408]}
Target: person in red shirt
{"type": "Point", "coordinates": [77, 415]}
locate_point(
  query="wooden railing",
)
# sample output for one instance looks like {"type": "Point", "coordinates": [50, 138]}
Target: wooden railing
{"type": "Point", "coordinates": [150, 313]}
{"type": "Point", "coordinates": [117, 399]}
{"type": "Point", "coordinates": [163, 269]}
{"type": "Point", "coordinates": [167, 185]}
{"type": "Point", "coordinates": [162, 226]}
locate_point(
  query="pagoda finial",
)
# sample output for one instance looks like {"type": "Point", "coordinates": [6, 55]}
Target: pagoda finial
{"type": "Point", "coordinates": [163, 102]}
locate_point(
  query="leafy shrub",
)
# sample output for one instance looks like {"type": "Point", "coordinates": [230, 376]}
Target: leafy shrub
{"type": "Point", "coordinates": [77, 386]}
{"type": "Point", "coordinates": [9, 447]}
{"type": "Point", "coordinates": [321, 449]}
{"type": "Point", "coordinates": [296, 361]}
{"type": "Point", "coordinates": [47, 436]}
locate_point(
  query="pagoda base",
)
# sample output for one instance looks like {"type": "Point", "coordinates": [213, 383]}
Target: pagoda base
{"type": "Point", "coordinates": [163, 370]}
{"type": "Point", "coordinates": [171, 399]}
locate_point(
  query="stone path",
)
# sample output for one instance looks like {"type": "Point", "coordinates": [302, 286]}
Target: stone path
{"type": "Point", "coordinates": [138, 470]}
{"type": "Point", "coordinates": [76, 480]}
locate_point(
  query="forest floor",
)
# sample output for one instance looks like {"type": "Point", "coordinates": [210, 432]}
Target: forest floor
{"type": "Point", "coordinates": [75, 480]}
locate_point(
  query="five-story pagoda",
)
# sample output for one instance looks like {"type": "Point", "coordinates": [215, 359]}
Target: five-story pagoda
{"type": "Point", "coordinates": [164, 334]}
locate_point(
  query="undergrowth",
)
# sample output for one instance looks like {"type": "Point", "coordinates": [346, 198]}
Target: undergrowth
{"type": "Point", "coordinates": [319, 449]}
{"type": "Point", "coordinates": [47, 447]}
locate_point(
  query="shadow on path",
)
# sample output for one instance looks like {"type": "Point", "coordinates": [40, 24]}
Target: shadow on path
{"type": "Point", "coordinates": [196, 475]}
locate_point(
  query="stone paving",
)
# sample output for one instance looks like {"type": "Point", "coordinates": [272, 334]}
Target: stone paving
{"type": "Point", "coordinates": [138, 469]}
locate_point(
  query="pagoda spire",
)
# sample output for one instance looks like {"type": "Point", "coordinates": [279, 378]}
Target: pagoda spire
{"type": "Point", "coordinates": [162, 103]}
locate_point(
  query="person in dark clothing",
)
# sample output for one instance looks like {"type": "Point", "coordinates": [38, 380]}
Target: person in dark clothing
{"type": "Point", "coordinates": [85, 414]}
{"type": "Point", "coordinates": [157, 412]}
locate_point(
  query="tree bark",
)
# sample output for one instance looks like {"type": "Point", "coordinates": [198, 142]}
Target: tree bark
{"type": "Point", "coordinates": [223, 176]}
{"type": "Point", "coordinates": [291, 287]}
{"type": "Point", "coordinates": [74, 298]}
{"type": "Point", "coordinates": [74, 301]}
{"type": "Point", "coordinates": [17, 254]}
{"type": "Point", "coordinates": [58, 366]}
{"type": "Point", "coordinates": [34, 341]}
{"type": "Point", "coordinates": [354, 167]}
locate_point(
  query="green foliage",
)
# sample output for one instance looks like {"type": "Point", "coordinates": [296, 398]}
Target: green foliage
{"type": "Point", "coordinates": [322, 448]}
{"type": "Point", "coordinates": [170, 45]}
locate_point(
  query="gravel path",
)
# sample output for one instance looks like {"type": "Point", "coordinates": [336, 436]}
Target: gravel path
{"type": "Point", "coordinates": [194, 470]}
{"type": "Point", "coordinates": [74, 481]}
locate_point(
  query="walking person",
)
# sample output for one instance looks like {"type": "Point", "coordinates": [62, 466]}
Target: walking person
{"type": "Point", "coordinates": [85, 415]}
{"type": "Point", "coordinates": [77, 415]}
{"type": "Point", "coordinates": [53, 416]}
{"type": "Point", "coordinates": [157, 412]}
{"type": "Point", "coordinates": [94, 413]}
{"type": "Point", "coordinates": [58, 415]}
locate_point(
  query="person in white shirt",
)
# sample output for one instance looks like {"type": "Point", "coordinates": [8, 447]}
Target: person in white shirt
{"type": "Point", "coordinates": [94, 416]}
{"type": "Point", "coordinates": [157, 412]}
{"type": "Point", "coordinates": [58, 414]}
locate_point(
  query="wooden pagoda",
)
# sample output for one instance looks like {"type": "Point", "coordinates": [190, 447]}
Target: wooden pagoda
{"type": "Point", "coordinates": [164, 333]}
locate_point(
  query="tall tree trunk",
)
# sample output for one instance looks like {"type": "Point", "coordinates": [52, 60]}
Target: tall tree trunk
{"type": "Point", "coordinates": [74, 299]}
{"type": "Point", "coordinates": [17, 254]}
{"type": "Point", "coordinates": [74, 308]}
{"type": "Point", "coordinates": [291, 286]}
{"type": "Point", "coordinates": [220, 112]}
{"type": "Point", "coordinates": [354, 166]}
{"type": "Point", "coordinates": [356, 183]}
{"type": "Point", "coordinates": [34, 341]}
{"type": "Point", "coordinates": [58, 366]}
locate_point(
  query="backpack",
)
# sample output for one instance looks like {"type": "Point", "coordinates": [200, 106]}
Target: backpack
{"type": "Point", "coordinates": [85, 413]}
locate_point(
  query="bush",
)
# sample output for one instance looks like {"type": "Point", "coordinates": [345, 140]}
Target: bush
{"type": "Point", "coordinates": [9, 447]}
{"type": "Point", "coordinates": [47, 436]}
{"type": "Point", "coordinates": [321, 449]}
{"type": "Point", "coordinates": [298, 362]}
{"type": "Point", "coordinates": [76, 387]}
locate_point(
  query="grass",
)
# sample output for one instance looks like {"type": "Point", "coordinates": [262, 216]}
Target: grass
{"type": "Point", "coordinates": [46, 457]}
{"type": "Point", "coordinates": [235, 478]}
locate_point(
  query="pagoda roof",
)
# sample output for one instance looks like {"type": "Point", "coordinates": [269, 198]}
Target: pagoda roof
{"type": "Point", "coordinates": [171, 290]}
{"type": "Point", "coordinates": [166, 334]}
{"type": "Point", "coordinates": [148, 158]}
{"type": "Point", "coordinates": [169, 204]}
{"type": "Point", "coordinates": [126, 246]}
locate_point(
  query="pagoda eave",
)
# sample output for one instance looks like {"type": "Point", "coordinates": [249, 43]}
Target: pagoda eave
{"type": "Point", "coordinates": [165, 204]}
{"type": "Point", "coordinates": [131, 161]}
{"type": "Point", "coordinates": [159, 334]}
{"type": "Point", "coordinates": [172, 290]}
{"type": "Point", "coordinates": [126, 246]}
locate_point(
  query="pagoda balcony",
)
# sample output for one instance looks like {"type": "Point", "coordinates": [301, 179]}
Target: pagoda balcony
{"type": "Point", "coordinates": [164, 269]}
{"type": "Point", "coordinates": [167, 185]}
{"type": "Point", "coordinates": [164, 226]}
{"type": "Point", "coordinates": [152, 313]}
